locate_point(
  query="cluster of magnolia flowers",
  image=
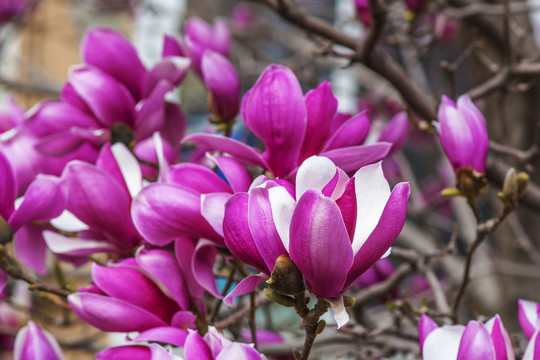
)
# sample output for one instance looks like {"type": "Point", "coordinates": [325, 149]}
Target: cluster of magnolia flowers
{"type": "Point", "coordinates": [99, 171]}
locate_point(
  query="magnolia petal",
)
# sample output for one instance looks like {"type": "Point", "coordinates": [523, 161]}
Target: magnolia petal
{"type": "Point", "coordinates": [151, 115]}
{"type": "Point", "coordinates": [372, 194]}
{"type": "Point", "coordinates": [425, 326]}
{"type": "Point", "coordinates": [198, 178]}
{"type": "Point", "coordinates": [164, 334]}
{"type": "Point", "coordinates": [171, 47]}
{"type": "Point", "coordinates": [274, 109]}
{"type": "Point", "coordinates": [500, 339]}
{"type": "Point", "coordinates": [282, 204]}
{"type": "Point", "coordinates": [443, 343]}
{"type": "Point", "coordinates": [352, 158]}
{"type": "Point", "coordinates": [240, 151]}
{"type": "Point", "coordinates": [30, 247]}
{"type": "Point", "coordinates": [320, 245]}
{"type": "Point", "coordinates": [129, 168]}
{"type": "Point", "coordinates": [172, 69]}
{"type": "Point", "coordinates": [113, 53]}
{"type": "Point", "coordinates": [477, 125]}
{"type": "Point", "coordinates": [385, 233]}
{"type": "Point", "coordinates": [175, 125]}
{"type": "Point", "coordinates": [163, 266]}
{"type": "Point", "coordinates": [32, 343]}
{"type": "Point", "coordinates": [321, 105]}
{"type": "Point", "coordinates": [68, 222]}
{"type": "Point", "coordinates": [8, 187]}
{"type": "Point", "coordinates": [184, 248]}
{"type": "Point", "coordinates": [244, 287]}
{"type": "Point", "coordinates": [396, 132]}
{"type": "Point", "coordinates": [235, 173]}
{"type": "Point", "coordinates": [109, 100]}
{"type": "Point", "coordinates": [314, 173]}
{"type": "Point", "coordinates": [476, 343]}
{"type": "Point", "coordinates": [58, 144]}
{"type": "Point", "coordinates": [353, 132]}
{"type": "Point", "coordinates": [532, 352]}
{"type": "Point", "coordinates": [64, 245]}
{"type": "Point", "coordinates": [127, 352]}
{"type": "Point", "coordinates": [528, 316]}
{"type": "Point", "coordinates": [338, 309]}
{"type": "Point", "coordinates": [163, 212]}
{"type": "Point", "coordinates": [262, 226]}
{"type": "Point", "coordinates": [196, 348]}
{"type": "Point", "coordinates": [213, 209]}
{"type": "Point", "coordinates": [110, 314]}
{"type": "Point", "coordinates": [183, 319]}
{"type": "Point", "coordinates": [203, 263]}
{"type": "Point", "coordinates": [237, 350]}
{"type": "Point", "coordinates": [237, 235]}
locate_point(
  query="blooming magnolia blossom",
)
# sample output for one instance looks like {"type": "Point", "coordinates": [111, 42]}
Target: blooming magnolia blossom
{"type": "Point", "coordinates": [489, 341]}
{"type": "Point", "coordinates": [463, 133]}
{"type": "Point", "coordinates": [274, 108]}
{"type": "Point", "coordinates": [32, 343]}
{"type": "Point", "coordinates": [332, 227]}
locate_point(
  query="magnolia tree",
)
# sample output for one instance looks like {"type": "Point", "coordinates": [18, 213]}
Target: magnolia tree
{"type": "Point", "coordinates": [291, 227]}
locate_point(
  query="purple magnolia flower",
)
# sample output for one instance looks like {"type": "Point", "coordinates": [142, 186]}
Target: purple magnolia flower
{"type": "Point", "coordinates": [275, 108]}
{"type": "Point", "coordinates": [444, 27]}
{"type": "Point", "coordinates": [332, 227]}
{"type": "Point", "coordinates": [463, 133]}
{"type": "Point", "coordinates": [32, 343]}
{"type": "Point", "coordinates": [147, 293]}
{"type": "Point", "coordinates": [111, 97]}
{"type": "Point", "coordinates": [489, 341]}
{"type": "Point", "coordinates": [222, 81]}
{"type": "Point", "coordinates": [529, 317]}
{"type": "Point", "coordinates": [362, 12]}
{"type": "Point", "coordinates": [214, 346]}
{"type": "Point", "coordinates": [415, 5]}
{"type": "Point", "coordinates": [532, 352]}
{"type": "Point", "coordinates": [42, 201]}
{"type": "Point", "coordinates": [11, 10]}
{"type": "Point", "coordinates": [137, 352]}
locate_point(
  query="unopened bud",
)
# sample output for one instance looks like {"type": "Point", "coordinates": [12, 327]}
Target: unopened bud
{"type": "Point", "coordinates": [286, 278]}
{"type": "Point", "coordinates": [514, 187]}
{"type": "Point", "coordinates": [280, 299]}
{"type": "Point", "coordinates": [348, 301]}
{"type": "Point", "coordinates": [320, 327]}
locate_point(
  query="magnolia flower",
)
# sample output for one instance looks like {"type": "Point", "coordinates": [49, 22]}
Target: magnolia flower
{"type": "Point", "coordinates": [11, 10]}
{"type": "Point", "coordinates": [362, 12]}
{"type": "Point", "coordinates": [463, 133]}
{"type": "Point", "coordinates": [489, 341]}
{"type": "Point", "coordinates": [332, 227]}
{"type": "Point", "coordinates": [415, 5]}
{"type": "Point", "coordinates": [147, 293]}
{"type": "Point", "coordinates": [529, 317]}
{"type": "Point", "coordinates": [139, 352]}
{"type": "Point", "coordinates": [275, 109]}
{"type": "Point", "coordinates": [32, 343]}
{"type": "Point", "coordinates": [111, 97]}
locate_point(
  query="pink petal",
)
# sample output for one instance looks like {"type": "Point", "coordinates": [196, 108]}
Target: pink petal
{"type": "Point", "coordinates": [476, 343]}
{"type": "Point", "coordinates": [235, 173]}
{"type": "Point", "coordinates": [64, 245]}
{"type": "Point", "coordinates": [164, 334]}
{"type": "Point", "coordinates": [32, 343]}
{"type": "Point", "coordinates": [396, 131]}
{"type": "Point", "coordinates": [173, 69]}
{"type": "Point", "coordinates": [30, 247]}
{"type": "Point", "coordinates": [8, 187]}
{"type": "Point", "coordinates": [443, 343]}
{"type": "Point", "coordinates": [184, 248]}
{"type": "Point", "coordinates": [314, 173]}
{"type": "Point", "coordinates": [151, 115]}
{"type": "Point", "coordinates": [203, 263]}
{"type": "Point", "coordinates": [244, 287]}
{"type": "Point", "coordinates": [352, 158]}
{"type": "Point", "coordinates": [425, 327]}
{"type": "Point", "coordinates": [528, 316]}
{"type": "Point", "coordinates": [213, 209]}
{"type": "Point", "coordinates": [353, 132]}
{"type": "Point", "coordinates": [198, 178]}
{"type": "Point", "coordinates": [196, 348]}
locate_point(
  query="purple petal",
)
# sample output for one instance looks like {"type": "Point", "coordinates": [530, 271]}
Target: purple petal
{"type": "Point", "coordinates": [64, 245]}
{"type": "Point", "coordinates": [353, 132]}
{"type": "Point", "coordinates": [113, 53]}
{"type": "Point", "coordinates": [108, 99]}
{"type": "Point", "coordinates": [385, 233]}
{"type": "Point", "coordinates": [274, 110]}
{"type": "Point", "coordinates": [100, 202]}
{"type": "Point", "coordinates": [352, 158]}
{"type": "Point", "coordinates": [314, 173]}
{"type": "Point", "coordinates": [109, 314]}
{"type": "Point", "coordinates": [32, 343]}
{"type": "Point", "coordinates": [320, 245]}
{"type": "Point", "coordinates": [173, 69]}
{"type": "Point", "coordinates": [164, 267]}
{"type": "Point", "coordinates": [151, 115]}
{"type": "Point", "coordinates": [240, 151]}
{"type": "Point", "coordinates": [175, 125]}
{"type": "Point", "coordinates": [198, 178]}
{"type": "Point", "coordinates": [30, 247]}
{"type": "Point", "coordinates": [203, 263]}
{"type": "Point", "coordinates": [244, 287]}
{"type": "Point", "coordinates": [3, 280]}
{"type": "Point", "coordinates": [131, 352]}
{"type": "Point", "coordinates": [213, 209]}
{"type": "Point", "coordinates": [532, 352]}
{"type": "Point", "coordinates": [477, 125]}
{"type": "Point", "coordinates": [163, 212]}
{"type": "Point", "coordinates": [130, 285]}
{"type": "Point", "coordinates": [120, 163]}
{"type": "Point", "coordinates": [58, 144]}
{"type": "Point", "coordinates": [476, 343]}
{"type": "Point", "coordinates": [183, 319]}
{"type": "Point", "coordinates": [263, 228]}
{"type": "Point", "coordinates": [196, 348]}
{"type": "Point", "coordinates": [396, 132]}
{"type": "Point", "coordinates": [8, 187]}
{"type": "Point", "coordinates": [425, 327]}
{"type": "Point", "coordinates": [528, 316]}
{"type": "Point", "coordinates": [500, 339]}
{"type": "Point", "coordinates": [321, 105]}
{"type": "Point", "coordinates": [222, 80]}
{"type": "Point", "coordinates": [235, 173]}
{"type": "Point", "coordinates": [164, 334]}
{"type": "Point", "coordinates": [239, 351]}
{"type": "Point", "coordinates": [238, 238]}
{"type": "Point", "coordinates": [171, 47]}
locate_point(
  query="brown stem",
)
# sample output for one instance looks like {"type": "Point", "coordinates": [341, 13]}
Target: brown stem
{"type": "Point", "coordinates": [310, 320]}
{"type": "Point", "coordinates": [252, 325]}
{"type": "Point", "coordinates": [228, 285]}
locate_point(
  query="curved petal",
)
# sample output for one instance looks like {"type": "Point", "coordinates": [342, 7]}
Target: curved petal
{"type": "Point", "coordinates": [198, 178]}
{"type": "Point", "coordinates": [338, 309]}
{"type": "Point", "coordinates": [126, 352]}
{"type": "Point", "coordinates": [151, 115]}
{"type": "Point", "coordinates": [528, 316]}
{"type": "Point", "coordinates": [321, 105]}
{"type": "Point", "coordinates": [385, 233]}
{"type": "Point", "coordinates": [352, 158]}
{"type": "Point", "coordinates": [58, 144]}
{"type": "Point", "coordinates": [238, 238]}
{"type": "Point", "coordinates": [120, 163]}
{"type": "Point", "coordinates": [237, 350]}
{"type": "Point", "coordinates": [184, 249]}
{"type": "Point", "coordinates": [396, 132]}
{"type": "Point", "coordinates": [109, 314]}
{"type": "Point", "coordinates": [173, 69]}
{"type": "Point", "coordinates": [244, 287]}
{"type": "Point", "coordinates": [30, 247]}
{"type": "Point", "coordinates": [32, 342]}
{"type": "Point", "coordinates": [111, 52]}
{"type": "Point", "coordinates": [164, 334]}
{"type": "Point", "coordinates": [353, 132]}
{"type": "Point", "coordinates": [275, 111]}
{"type": "Point", "coordinates": [175, 125]}
{"type": "Point", "coordinates": [476, 343]}
{"type": "Point", "coordinates": [240, 151]}
{"type": "Point", "coordinates": [314, 173]}
{"type": "Point", "coordinates": [202, 266]}
{"type": "Point", "coordinates": [163, 212]}
{"type": "Point", "coordinates": [196, 348]}
{"type": "Point", "coordinates": [500, 339]}
{"type": "Point", "coordinates": [425, 327]}
{"type": "Point", "coordinates": [235, 173]}
{"type": "Point", "coordinates": [213, 209]}
{"type": "Point", "coordinates": [64, 245]}
{"type": "Point", "coordinates": [183, 319]}
{"type": "Point", "coordinates": [320, 245]}
{"type": "Point", "coordinates": [443, 343]}
{"type": "Point", "coordinates": [532, 352]}
{"type": "Point", "coordinates": [477, 125]}
{"type": "Point", "coordinates": [8, 187]}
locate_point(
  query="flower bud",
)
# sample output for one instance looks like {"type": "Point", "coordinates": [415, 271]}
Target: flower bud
{"type": "Point", "coordinates": [514, 187]}
{"type": "Point", "coordinates": [280, 299]}
{"type": "Point", "coordinates": [32, 342]}
{"type": "Point", "coordinates": [286, 279]}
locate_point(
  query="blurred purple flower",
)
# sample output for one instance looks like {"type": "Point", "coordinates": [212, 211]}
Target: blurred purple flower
{"type": "Point", "coordinates": [32, 343]}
